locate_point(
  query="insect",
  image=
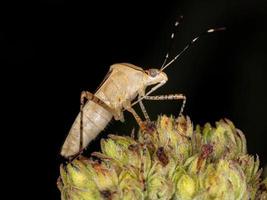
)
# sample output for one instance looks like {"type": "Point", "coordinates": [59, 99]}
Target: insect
{"type": "Point", "coordinates": [123, 84]}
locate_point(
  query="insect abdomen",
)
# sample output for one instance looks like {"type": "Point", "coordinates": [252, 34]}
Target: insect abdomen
{"type": "Point", "coordinates": [95, 119]}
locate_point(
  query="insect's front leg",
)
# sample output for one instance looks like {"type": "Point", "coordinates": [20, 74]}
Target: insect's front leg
{"type": "Point", "coordinates": [169, 97]}
{"type": "Point", "coordinates": [143, 109]}
{"type": "Point", "coordinates": [149, 92]}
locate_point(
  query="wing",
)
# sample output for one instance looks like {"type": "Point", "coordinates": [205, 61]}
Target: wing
{"type": "Point", "coordinates": [131, 66]}
{"type": "Point", "coordinates": [105, 78]}
{"type": "Point", "coordinates": [118, 65]}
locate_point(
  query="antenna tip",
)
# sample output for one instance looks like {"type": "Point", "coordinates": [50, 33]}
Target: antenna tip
{"type": "Point", "coordinates": [178, 20]}
{"type": "Point", "coordinates": [195, 39]}
{"type": "Point", "coordinates": [216, 29]}
{"type": "Point", "coordinates": [220, 29]}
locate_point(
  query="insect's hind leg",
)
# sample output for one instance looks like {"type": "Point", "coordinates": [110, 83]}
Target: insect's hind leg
{"type": "Point", "coordinates": [169, 97]}
{"type": "Point", "coordinates": [91, 97]}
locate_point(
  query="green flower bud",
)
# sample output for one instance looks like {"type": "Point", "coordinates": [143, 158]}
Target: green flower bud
{"type": "Point", "coordinates": [223, 139]}
{"type": "Point", "coordinates": [110, 148]}
{"type": "Point", "coordinates": [158, 187]}
{"type": "Point", "coordinates": [224, 180]}
{"type": "Point", "coordinates": [251, 170]}
{"type": "Point", "coordinates": [186, 187]}
{"type": "Point", "coordinates": [131, 186]}
{"type": "Point", "coordinates": [76, 182]}
{"type": "Point", "coordinates": [104, 176]}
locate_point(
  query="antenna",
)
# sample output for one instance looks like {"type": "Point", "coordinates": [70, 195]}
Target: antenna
{"type": "Point", "coordinates": [190, 44]}
{"type": "Point", "coordinates": [176, 24]}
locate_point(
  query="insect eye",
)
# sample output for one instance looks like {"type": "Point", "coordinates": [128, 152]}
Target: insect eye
{"type": "Point", "coordinates": [153, 72]}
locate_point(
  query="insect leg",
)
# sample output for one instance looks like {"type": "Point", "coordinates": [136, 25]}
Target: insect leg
{"type": "Point", "coordinates": [169, 97]}
{"type": "Point", "coordinates": [127, 106]}
{"type": "Point", "coordinates": [144, 125]}
{"type": "Point", "coordinates": [144, 111]}
{"type": "Point", "coordinates": [149, 92]}
{"type": "Point", "coordinates": [136, 116]}
{"type": "Point", "coordinates": [91, 97]}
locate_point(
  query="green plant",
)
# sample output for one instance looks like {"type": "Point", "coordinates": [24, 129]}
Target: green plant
{"type": "Point", "coordinates": [168, 160]}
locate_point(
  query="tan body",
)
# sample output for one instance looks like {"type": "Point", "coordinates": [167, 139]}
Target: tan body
{"type": "Point", "coordinates": [121, 86]}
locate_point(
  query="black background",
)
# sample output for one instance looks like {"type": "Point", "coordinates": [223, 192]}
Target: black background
{"type": "Point", "coordinates": [55, 49]}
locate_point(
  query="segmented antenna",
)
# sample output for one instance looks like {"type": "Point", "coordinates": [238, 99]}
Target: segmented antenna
{"type": "Point", "coordinates": [176, 24]}
{"type": "Point", "coordinates": [190, 44]}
